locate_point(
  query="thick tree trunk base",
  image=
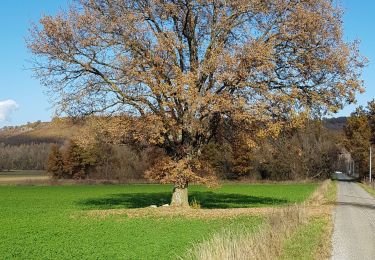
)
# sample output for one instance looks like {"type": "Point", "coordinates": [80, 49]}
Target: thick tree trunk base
{"type": "Point", "coordinates": [180, 197]}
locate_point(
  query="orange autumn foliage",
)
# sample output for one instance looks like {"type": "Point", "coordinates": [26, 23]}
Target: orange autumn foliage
{"type": "Point", "coordinates": [173, 71]}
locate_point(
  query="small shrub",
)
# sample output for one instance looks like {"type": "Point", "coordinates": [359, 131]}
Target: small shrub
{"type": "Point", "coordinates": [194, 204]}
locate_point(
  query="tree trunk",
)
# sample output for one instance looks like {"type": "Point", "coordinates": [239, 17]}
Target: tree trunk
{"type": "Point", "coordinates": [180, 197]}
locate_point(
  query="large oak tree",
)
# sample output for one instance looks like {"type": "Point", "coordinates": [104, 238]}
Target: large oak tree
{"type": "Point", "coordinates": [180, 68]}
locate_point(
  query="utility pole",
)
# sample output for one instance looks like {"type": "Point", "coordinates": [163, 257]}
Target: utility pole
{"type": "Point", "coordinates": [370, 175]}
{"type": "Point", "coordinates": [348, 167]}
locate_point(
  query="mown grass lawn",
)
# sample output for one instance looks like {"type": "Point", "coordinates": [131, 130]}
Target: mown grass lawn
{"type": "Point", "coordinates": [40, 222]}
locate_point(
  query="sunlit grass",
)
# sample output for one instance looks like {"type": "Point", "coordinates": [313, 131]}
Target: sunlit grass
{"type": "Point", "coordinates": [305, 241]}
{"type": "Point", "coordinates": [38, 222]}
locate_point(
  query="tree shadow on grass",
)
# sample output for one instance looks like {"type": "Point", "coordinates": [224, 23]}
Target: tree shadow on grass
{"type": "Point", "coordinates": [209, 200]}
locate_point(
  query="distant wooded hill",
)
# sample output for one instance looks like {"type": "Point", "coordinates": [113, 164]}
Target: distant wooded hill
{"type": "Point", "coordinates": [39, 132]}
{"type": "Point", "coordinates": [63, 128]}
{"type": "Point", "coordinates": [335, 123]}
{"type": "Point", "coordinates": [27, 147]}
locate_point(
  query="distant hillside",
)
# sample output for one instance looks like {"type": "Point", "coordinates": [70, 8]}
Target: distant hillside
{"type": "Point", "coordinates": [39, 132]}
{"type": "Point", "coordinates": [336, 123]}
{"type": "Point", "coordinates": [61, 129]}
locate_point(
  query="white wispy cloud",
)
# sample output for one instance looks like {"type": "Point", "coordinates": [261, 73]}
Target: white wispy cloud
{"type": "Point", "coordinates": [7, 107]}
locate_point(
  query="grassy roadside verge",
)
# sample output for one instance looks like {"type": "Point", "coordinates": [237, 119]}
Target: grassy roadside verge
{"type": "Point", "coordinates": [368, 189]}
{"type": "Point", "coordinates": [331, 195]}
{"type": "Point", "coordinates": [295, 232]}
{"type": "Point", "coordinates": [313, 239]}
{"type": "Point", "coordinates": [306, 240]}
{"type": "Point", "coordinates": [264, 243]}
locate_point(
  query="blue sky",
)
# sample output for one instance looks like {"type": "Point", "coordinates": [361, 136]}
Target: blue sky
{"type": "Point", "coordinates": [31, 104]}
{"type": "Point", "coordinates": [16, 80]}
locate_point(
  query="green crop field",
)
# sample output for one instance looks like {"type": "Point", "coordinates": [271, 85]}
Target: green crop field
{"type": "Point", "coordinates": [41, 222]}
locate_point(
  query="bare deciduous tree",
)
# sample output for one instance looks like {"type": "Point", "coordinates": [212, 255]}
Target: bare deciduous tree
{"type": "Point", "coordinates": [184, 66]}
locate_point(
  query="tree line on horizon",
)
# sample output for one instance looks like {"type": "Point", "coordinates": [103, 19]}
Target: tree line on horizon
{"type": "Point", "coordinates": [308, 152]}
{"type": "Point", "coordinates": [24, 156]}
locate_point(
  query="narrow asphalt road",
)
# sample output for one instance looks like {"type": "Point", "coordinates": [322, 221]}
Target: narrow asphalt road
{"type": "Point", "coordinates": [354, 222]}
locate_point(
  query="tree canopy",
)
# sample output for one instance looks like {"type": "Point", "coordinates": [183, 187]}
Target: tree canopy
{"type": "Point", "coordinates": [180, 68]}
{"type": "Point", "coordinates": [360, 132]}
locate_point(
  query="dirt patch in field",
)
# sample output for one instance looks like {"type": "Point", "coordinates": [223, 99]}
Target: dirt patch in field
{"type": "Point", "coordinates": [23, 179]}
{"type": "Point", "coordinates": [202, 213]}
{"type": "Point", "coordinates": [188, 212]}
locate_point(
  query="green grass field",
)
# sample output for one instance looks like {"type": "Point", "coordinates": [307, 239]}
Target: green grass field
{"type": "Point", "coordinates": [41, 222]}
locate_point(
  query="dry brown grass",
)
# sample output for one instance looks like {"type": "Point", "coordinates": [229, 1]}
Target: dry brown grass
{"type": "Point", "coordinates": [264, 244]}
{"type": "Point", "coordinates": [322, 201]}
{"type": "Point", "coordinates": [26, 180]}
{"type": "Point", "coordinates": [185, 212]}
{"type": "Point", "coordinates": [319, 195]}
